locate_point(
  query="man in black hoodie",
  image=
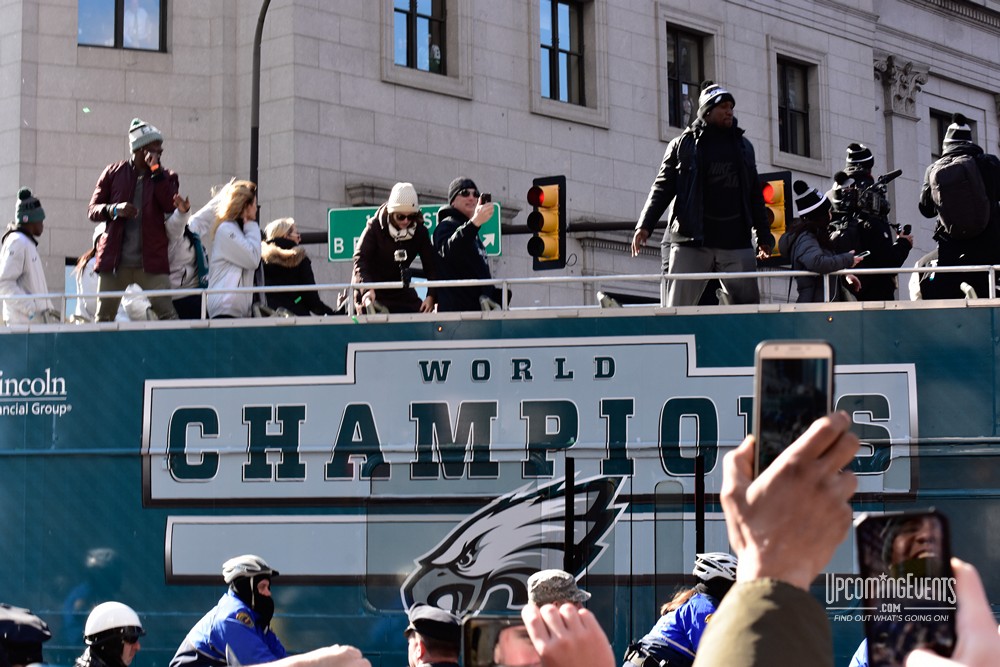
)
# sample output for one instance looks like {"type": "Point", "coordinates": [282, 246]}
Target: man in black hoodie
{"type": "Point", "coordinates": [955, 249]}
{"type": "Point", "coordinates": [463, 255]}
{"type": "Point", "coordinates": [718, 222]}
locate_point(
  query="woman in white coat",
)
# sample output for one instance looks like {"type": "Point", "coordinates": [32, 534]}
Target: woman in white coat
{"type": "Point", "coordinates": [235, 251]}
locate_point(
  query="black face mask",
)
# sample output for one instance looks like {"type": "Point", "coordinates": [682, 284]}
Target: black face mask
{"type": "Point", "coordinates": [262, 605]}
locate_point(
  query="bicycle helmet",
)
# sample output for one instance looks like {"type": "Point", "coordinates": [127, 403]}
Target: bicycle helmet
{"type": "Point", "coordinates": [246, 566]}
{"type": "Point", "coordinates": [111, 620]}
{"type": "Point", "coordinates": [715, 564]}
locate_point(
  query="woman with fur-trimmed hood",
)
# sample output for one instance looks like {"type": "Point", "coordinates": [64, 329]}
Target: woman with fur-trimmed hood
{"type": "Point", "coordinates": [286, 263]}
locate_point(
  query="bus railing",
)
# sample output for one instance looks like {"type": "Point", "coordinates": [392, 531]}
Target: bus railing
{"type": "Point", "coordinates": [342, 291]}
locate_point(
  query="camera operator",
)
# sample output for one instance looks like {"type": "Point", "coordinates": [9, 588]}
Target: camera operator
{"type": "Point", "coordinates": [391, 240]}
{"type": "Point", "coordinates": [861, 222]}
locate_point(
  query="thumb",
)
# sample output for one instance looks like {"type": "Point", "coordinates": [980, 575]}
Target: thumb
{"type": "Point", "coordinates": [924, 658]}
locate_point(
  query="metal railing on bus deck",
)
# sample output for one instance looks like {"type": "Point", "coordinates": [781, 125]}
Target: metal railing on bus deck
{"type": "Point", "coordinates": [344, 290]}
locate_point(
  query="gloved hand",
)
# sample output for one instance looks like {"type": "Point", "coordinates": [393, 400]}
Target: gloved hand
{"type": "Point", "coordinates": [487, 304]}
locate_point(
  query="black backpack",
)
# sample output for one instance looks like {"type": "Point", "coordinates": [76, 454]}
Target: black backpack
{"type": "Point", "coordinates": [959, 193]}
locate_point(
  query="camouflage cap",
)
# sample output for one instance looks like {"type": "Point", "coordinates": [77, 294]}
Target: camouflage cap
{"type": "Point", "coordinates": [554, 586]}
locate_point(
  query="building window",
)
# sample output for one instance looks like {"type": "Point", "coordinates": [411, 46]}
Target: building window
{"type": "Point", "coordinates": [940, 120]}
{"type": "Point", "coordinates": [122, 24]}
{"type": "Point", "coordinates": [420, 35]}
{"type": "Point", "coordinates": [561, 33]}
{"type": "Point", "coordinates": [793, 107]}
{"type": "Point", "coordinates": [685, 72]}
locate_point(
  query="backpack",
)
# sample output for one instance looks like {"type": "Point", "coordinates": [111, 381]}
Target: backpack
{"type": "Point", "coordinates": [959, 193]}
{"type": "Point", "coordinates": [200, 257]}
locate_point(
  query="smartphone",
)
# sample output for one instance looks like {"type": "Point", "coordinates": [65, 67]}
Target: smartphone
{"type": "Point", "coordinates": [793, 387]}
{"type": "Point", "coordinates": [496, 639]}
{"type": "Point", "coordinates": [485, 198]}
{"type": "Point", "coordinates": [864, 253]}
{"type": "Point", "coordinates": [907, 585]}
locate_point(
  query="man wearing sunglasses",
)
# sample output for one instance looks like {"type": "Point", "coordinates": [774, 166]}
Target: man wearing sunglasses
{"type": "Point", "coordinates": [462, 253]}
{"type": "Point", "coordinates": [391, 240]}
{"type": "Point", "coordinates": [112, 636]}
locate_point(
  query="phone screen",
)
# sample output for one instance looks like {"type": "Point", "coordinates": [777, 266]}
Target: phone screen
{"type": "Point", "coordinates": [907, 585]}
{"type": "Point", "coordinates": [494, 640]}
{"type": "Point", "coordinates": [793, 387]}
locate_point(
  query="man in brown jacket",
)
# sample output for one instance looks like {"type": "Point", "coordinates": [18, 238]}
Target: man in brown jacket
{"type": "Point", "coordinates": [134, 197]}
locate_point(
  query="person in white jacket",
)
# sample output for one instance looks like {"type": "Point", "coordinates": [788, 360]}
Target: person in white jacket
{"type": "Point", "coordinates": [21, 271]}
{"type": "Point", "coordinates": [235, 251]}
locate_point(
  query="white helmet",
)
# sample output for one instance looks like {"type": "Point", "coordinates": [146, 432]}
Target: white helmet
{"type": "Point", "coordinates": [715, 564]}
{"type": "Point", "coordinates": [246, 566]}
{"type": "Point", "coordinates": [111, 616]}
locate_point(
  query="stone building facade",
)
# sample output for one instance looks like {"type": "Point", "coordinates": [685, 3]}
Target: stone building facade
{"type": "Point", "coordinates": [358, 94]}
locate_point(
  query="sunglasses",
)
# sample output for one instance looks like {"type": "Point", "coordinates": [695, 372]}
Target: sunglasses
{"type": "Point", "coordinates": [412, 217]}
{"type": "Point", "coordinates": [466, 192]}
{"type": "Point", "coordinates": [131, 635]}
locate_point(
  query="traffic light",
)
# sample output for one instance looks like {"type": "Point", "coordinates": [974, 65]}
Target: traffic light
{"type": "Point", "coordinates": [777, 189]}
{"type": "Point", "coordinates": [547, 222]}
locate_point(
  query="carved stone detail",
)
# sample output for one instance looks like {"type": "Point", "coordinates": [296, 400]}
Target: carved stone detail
{"type": "Point", "coordinates": [900, 84]}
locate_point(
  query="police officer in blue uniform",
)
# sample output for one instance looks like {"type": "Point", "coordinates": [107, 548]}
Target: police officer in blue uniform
{"type": "Point", "coordinates": [674, 639]}
{"type": "Point", "coordinates": [238, 629]}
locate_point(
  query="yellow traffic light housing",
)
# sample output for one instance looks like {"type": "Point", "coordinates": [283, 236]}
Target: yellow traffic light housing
{"type": "Point", "coordinates": [776, 188]}
{"type": "Point", "coordinates": [547, 222]}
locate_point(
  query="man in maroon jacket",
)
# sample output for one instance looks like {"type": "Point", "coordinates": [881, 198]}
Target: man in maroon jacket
{"type": "Point", "coordinates": [134, 197]}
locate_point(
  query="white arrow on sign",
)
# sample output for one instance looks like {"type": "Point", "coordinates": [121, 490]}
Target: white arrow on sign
{"type": "Point", "coordinates": [488, 239]}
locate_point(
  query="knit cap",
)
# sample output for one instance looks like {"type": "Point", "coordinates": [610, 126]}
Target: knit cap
{"type": "Point", "coordinates": [141, 133]}
{"type": "Point", "coordinates": [459, 184]}
{"type": "Point", "coordinates": [859, 155]}
{"type": "Point", "coordinates": [712, 94]}
{"type": "Point", "coordinates": [959, 131]}
{"type": "Point", "coordinates": [28, 208]}
{"type": "Point", "coordinates": [809, 200]}
{"type": "Point", "coordinates": [403, 199]}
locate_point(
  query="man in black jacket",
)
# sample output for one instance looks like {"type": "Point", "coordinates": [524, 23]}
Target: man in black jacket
{"type": "Point", "coordinates": [709, 179]}
{"type": "Point", "coordinates": [462, 253]}
{"type": "Point", "coordinates": [953, 249]}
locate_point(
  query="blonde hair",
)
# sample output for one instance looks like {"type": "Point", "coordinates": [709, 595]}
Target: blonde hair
{"type": "Point", "coordinates": [235, 199]}
{"type": "Point", "coordinates": [278, 229]}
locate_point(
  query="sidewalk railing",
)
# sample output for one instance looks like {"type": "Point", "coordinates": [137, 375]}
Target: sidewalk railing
{"type": "Point", "coordinates": [331, 293]}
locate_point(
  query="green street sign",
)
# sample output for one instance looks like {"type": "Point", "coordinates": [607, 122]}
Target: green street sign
{"type": "Point", "coordinates": [346, 225]}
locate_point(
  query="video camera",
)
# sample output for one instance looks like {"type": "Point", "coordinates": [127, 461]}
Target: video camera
{"type": "Point", "coordinates": [864, 203]}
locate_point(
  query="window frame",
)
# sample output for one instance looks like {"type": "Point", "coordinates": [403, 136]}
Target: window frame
{"type": "Point", "coordinates": [595, 109]}
{"type": "Point", "coordinates": [412, 17]}
{"type": "Point", "coordinates": [790, 119]}
{"type": "Point", "coordinates": [713, 53]}
{"type": "Point", "coordinates": [456, 79]}
{"type": "Point", "coordinates": [674, 95]}
{"type": "Point", "coordinates": [939, 121]}
{"type": "Point", "coordinates": [557, 78]}
{"type": "Point", "coordinates": [119, 30]}
{"type": "Point", "coordinates": [817, 85]}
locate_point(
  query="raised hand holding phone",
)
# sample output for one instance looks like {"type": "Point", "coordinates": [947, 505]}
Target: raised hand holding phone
{"type": "Point", "coordinates": [793, 387]}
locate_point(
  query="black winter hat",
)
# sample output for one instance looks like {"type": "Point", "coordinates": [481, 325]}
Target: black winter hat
{"type": "Point", "coordinates": [460, 183]}
{"type": "Point", "coordinates": [712, 94]}
{"type": "Point", "coordinates": [959, 131]}
{"type": "Point", "coordinates": [809, 201]}
{"type": "Point", "coordinates": [859, 155]}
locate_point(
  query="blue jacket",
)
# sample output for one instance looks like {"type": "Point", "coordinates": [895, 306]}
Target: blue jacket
{"type": "Point", "coordinates": [230, 625]}
{"type": "Point", "coordinates": [680, 631]}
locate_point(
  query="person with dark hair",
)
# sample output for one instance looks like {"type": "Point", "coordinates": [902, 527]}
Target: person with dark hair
{"type": "Point", "coordinates": [808, 246]}
{"type": "Point", "coordinates": [134, 197]}
{"type": "Point", "coordinates": [21, 636]}
{"type": "Point", "coordinates": [433, 637]}
{"type": "Point", "coordinates": [112, 636]}
{"type": "Point", "coordinates": [718, 221]}
{"type": "Point", "coordinates": [959, 244]}
{"type": "Point", "coordinates": [21, 271]}
{"type": "Point", "coordinates": [675, 638]}
{"type": "Point", "coordinates": [461, 250]}
{"type": "Point", "coordinates": [861, 217]}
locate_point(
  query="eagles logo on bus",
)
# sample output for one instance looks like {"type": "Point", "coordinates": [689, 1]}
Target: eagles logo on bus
{"type": "Point", "coordinates": [495, 550]}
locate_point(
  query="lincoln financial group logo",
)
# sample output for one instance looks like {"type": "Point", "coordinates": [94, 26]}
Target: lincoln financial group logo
{"type": "Point", "coordinates": [44, 394]}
